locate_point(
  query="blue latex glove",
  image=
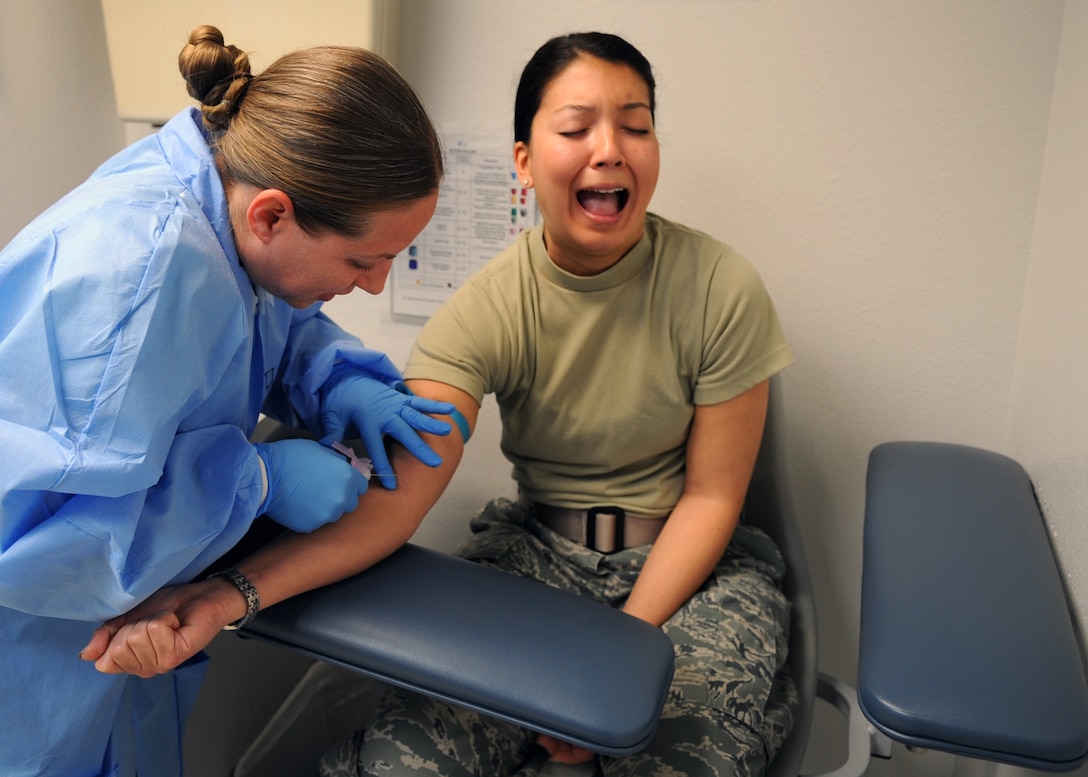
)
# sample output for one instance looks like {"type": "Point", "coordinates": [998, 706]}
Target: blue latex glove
{"type": "Point", "coordinates": [353, 398]}
{"type": "Point", "coordinates": [308, 485]}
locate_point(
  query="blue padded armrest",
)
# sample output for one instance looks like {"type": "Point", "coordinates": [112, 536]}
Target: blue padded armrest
{"type": "Point", "coordinates": [967, 645]}
{"type": "Point", "coordinates": [506, 646]}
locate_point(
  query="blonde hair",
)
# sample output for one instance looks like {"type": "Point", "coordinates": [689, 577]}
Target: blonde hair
{"type": "Point", "coordinates": [336, 128]}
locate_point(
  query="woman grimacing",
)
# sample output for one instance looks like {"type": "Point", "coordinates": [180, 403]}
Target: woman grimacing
{"type": "Point", "coordinates": [630, 357]}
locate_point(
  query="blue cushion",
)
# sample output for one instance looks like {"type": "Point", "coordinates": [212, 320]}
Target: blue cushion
{"type": "Point", "coordinates": [506, 646]}
{"type": "Point", "coordinates": [967, 645]}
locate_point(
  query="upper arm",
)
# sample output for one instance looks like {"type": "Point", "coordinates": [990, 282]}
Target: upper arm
{"type": "Point", "coordinates": [723, 445]}
{"type": "Point", "coordinates": [443, 392]}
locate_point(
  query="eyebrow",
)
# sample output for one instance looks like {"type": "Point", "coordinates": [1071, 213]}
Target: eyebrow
{"type": "Point", "coordinates": [633, 106]}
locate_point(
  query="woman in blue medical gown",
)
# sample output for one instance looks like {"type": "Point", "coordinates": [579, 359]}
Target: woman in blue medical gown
{"type": "Point", "coordinates": [148, 317]}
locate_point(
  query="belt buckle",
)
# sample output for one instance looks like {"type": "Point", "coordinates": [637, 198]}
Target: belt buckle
{"type": "Point", "coordinates": [617, 516]}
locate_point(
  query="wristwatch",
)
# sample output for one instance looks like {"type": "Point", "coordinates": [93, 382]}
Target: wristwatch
{"type": "Point", "coordinates": [246, 588]}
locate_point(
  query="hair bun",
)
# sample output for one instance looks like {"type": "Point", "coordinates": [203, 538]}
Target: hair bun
{"type": "Point", "coordinates": [205, 33]}
{"type": "Point", "coordinates": [216, 75]}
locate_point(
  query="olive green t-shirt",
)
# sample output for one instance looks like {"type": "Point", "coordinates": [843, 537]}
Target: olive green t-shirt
{"type": "Point", "coordinates": [597, 377]}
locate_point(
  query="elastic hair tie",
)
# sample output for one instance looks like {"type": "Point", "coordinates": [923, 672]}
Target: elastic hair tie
{"type": "Point", "coordinates": [226, 82]}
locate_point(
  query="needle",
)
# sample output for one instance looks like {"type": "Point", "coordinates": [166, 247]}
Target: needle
{"type": "Point", "coordinates": [363, 465]}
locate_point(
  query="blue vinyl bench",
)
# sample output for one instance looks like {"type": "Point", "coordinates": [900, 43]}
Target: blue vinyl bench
{"type": "Point", "coordinates": [967, 644]}
{"type": "Point", "coordinates": [431, 622]}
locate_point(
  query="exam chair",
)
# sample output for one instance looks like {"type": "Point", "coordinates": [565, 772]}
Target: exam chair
{"type": "Point", "coordinates": [446, 627]}
{"type": "Point", "coordinates": [769, 506]}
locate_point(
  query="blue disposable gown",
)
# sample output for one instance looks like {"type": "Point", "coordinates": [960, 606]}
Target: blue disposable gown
{"type": "Point", "coordinates": [136, 355]}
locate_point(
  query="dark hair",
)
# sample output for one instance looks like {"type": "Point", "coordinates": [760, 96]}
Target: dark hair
{"type": "Point", "coordinates": [335, 127]}
{"type": "Point", "coordinates": [554, 56]}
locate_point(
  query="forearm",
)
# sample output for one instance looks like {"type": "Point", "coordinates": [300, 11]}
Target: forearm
{"type": "Point", "coordinates": [684, 555]}
{"type": "Point", "coordinates": [175, 623]}
{"type": "Point", "coordinates": [721, 452]}
{"type": "Point", "coordinates": [315, 346]}
{"type": "Point", "coordinates": [383, 521]}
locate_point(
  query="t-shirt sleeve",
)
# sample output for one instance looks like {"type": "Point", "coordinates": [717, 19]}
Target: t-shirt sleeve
{"type": "Point", "coordinates": [743, 341]}
{"type": "Point", "coordinates": [472, 341]}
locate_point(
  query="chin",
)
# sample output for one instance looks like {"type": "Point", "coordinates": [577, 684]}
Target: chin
{"type": "Point", "coordinates": [611, 237]}
{"type": "Point", "coordinates": [300, 304]}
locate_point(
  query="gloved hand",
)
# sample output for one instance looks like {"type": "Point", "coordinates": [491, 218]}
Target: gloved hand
{"type": "Point", "coordinates": [308, 485]}
{"type": "Point", "coordinates": [353, 398]}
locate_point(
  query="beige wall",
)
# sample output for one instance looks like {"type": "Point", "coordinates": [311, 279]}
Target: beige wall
{"type": "Point", "coordinates": [57, 117]}
{"type": "Point", "coordinates": [908, 176]}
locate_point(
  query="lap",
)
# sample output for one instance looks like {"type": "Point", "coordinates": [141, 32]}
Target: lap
{"type": "Point", "coordinates": [416, 734]}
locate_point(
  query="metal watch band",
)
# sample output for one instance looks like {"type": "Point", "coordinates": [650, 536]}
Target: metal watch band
{"type": "Point", "coordinates": [253, 599]}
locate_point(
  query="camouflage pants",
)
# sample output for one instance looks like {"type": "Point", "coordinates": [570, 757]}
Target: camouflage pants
{"type": "Point", "coordinates": [729, 708]}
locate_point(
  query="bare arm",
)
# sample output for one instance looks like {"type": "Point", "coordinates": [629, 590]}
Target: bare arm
{"type": "Point", "coordinates": [175, 623]}
{"type": "Point", "coordinates": [721, 454]}
{"type": "Point", "coordinates": [383, 522]}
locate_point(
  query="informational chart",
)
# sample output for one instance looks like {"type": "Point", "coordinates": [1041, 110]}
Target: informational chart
{"type": "Point", "coordinates": [482, 207]}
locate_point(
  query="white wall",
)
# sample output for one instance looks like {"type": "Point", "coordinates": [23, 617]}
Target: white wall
{"type": "Point", "coordinates": [897, 169]}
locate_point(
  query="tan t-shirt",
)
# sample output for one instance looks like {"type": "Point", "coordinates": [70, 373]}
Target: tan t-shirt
{"type": "Point", "coordinates": [597, 378]}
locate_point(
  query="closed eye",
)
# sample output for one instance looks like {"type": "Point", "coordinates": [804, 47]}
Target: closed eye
{"type": "Point", "coordinates": [372, 263]}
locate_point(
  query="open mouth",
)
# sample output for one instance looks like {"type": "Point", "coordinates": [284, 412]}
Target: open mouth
{"type": "Point", "coordinates": [603, 202]}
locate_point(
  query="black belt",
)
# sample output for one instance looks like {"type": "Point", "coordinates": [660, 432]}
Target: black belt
{"type": "Point", "coordinates": [604, 529]}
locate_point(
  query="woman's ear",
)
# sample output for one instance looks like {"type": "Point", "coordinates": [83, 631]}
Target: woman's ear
{"type": "Point", "coordinates": [268, 213]}
{"type": "Point", "coordinates": [521, 163]}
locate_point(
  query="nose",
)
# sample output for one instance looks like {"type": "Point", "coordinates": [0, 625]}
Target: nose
{"type": "Point", "coordinates": [373, 282]}
{"type": "Point", "coordinates": [607, 151]}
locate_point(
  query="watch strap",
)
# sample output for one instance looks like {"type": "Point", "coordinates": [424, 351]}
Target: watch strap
{"type": "Point", "coordinates": [247, 589]}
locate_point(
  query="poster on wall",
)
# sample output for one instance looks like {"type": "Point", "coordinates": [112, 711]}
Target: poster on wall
{"type": "Point", "coordinates": [482, 207]}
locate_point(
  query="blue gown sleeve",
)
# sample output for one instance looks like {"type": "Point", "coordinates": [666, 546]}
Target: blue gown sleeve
{"type": "Point", "coordinates": [90, 557]}
{"type": "Point", "coordinates": [315, 346]}
{"type": "Point", "coordinates": [124, 463]}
